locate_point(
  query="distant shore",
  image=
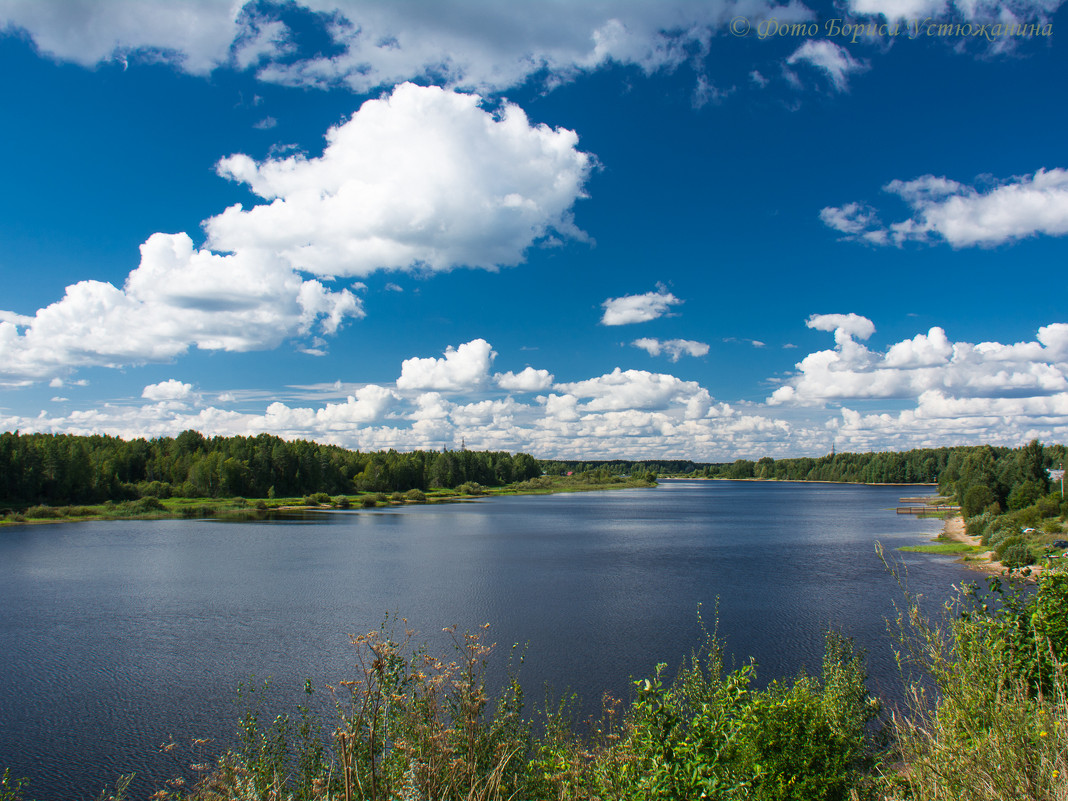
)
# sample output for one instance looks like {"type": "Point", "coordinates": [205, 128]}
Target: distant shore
{"type": "Point", "coordinates": [807, 481]}
{"type": "Point", "coordinates": [261, 508]}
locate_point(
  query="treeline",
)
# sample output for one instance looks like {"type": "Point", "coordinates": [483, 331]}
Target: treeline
{"type": "Point", "coordinates": [919, 466]}
{"type": "Point", "coordinates": [915, 466]}
{"type": "Point", "coordinates": [1009, 501]}
{"type": "Point", "coordinates": [999, 469]}
{"type": "Point", "coordinates": [66, 469]}
{"type": "Point", "coordinates": [1008, 478]}
{"type": "Point", "coordinates": [619, 467]}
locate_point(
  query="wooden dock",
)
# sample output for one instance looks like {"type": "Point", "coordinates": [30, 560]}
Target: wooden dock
{"type": "Point", "coordinates": [923, 510]}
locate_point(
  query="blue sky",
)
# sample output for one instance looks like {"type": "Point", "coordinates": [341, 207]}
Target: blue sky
{"type": "Point", "coordinates": [604, 229]}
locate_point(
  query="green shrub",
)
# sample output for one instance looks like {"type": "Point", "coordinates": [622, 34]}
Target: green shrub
{"type": "Point", "coordinates": [157, 489]}
{"type": "Point", "coordinates": [1050, 506]}
{"type": "Point", "coordinates": [148, 504]}
{"type": "Point", "coordinates": [998, 536]}
{"type": "Point", "coordinates": [381, 497]}
{"type": "Point", "coordinates": [711, 735]}
{"type": "Point", "coordinates": [470, 488]}
{"type": "Point", "coordinates": [42, 512]}
{"type": "Point", "coordinates": [987, 715]}
{"type": "Point", "coordinates": [976, 526]}
{"type": "Point", "coordinates": [1017, 555]}
{"type": "Point", "coordinates": [342, 502]}
{"type": "Point", "coordinates": [321, 498]}
{"type": "Point", "coordinates": [1025, 494]}
{"type": "Point", "coordinates": [977, 498]}
{"type": "Point", "coordinates": [1007, 543]}
{"type": "Point", "coordinates": [368, 502]}
{"type": "Point", "coordinates": [415, 495]}
{"type": "Point", "coordinates": [397, 497]}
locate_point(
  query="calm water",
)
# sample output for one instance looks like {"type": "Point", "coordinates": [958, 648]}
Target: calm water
{"type": "Point", "coordinates": [117, 636]}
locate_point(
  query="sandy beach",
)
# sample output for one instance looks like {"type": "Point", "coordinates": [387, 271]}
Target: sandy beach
{"type": "Point", "coordinates": [984, 561]}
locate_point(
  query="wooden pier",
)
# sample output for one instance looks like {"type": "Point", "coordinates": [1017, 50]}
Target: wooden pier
{"type": "Point", "coordinates": [923, 510]}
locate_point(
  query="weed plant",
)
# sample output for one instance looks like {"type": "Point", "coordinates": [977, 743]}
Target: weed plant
{"type": "Point", "coordinates": [986, 712]}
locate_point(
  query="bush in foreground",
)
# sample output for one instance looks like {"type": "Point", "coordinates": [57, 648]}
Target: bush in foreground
{"type": "Point", "coordinates": [415, 726]}
{"type": "Point", "coordinates": [994, 725]}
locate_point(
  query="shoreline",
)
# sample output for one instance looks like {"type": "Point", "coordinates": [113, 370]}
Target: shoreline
{"type": "Point", "coordinates": [806, 481]}
{"type": "Point", "coordinates": [982, 561]}
{"type": "Point", "coordinates": [231, 509]}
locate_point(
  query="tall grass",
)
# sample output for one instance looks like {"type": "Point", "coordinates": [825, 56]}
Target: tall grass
{"type": "Point", "coordinates": [986, 711]}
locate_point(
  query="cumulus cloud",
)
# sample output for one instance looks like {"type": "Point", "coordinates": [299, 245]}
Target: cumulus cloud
{"type": "Point", "coordinates": [193, 35]}
{"type": "Point", "coordinates": [960, 215]}
{"type": "Point", "coordinates": [483, 44]}
{"type": "Point", "coordinates": [954, 392]}
{"type": "Point", "coordinates": [674, 348]}
{"type": "Point", "coordinates": [927, 363]}
{"type": "Point", "coordinates": [844, 326]}
{"type": "Point", "coordinates": [172, 389]}
{"type": "Point", "coordinates": [625, 413]}
{"type": "Point", "coordinates": [639, 389]}
{"type": "Point", "coordinates": [638, 308]}
{"type": "Point", "coordinates": [421, 179]}
{"type": "Point", "coordinates": [178, 297]}
{"type": "Point", "coordinates": [526, 380]}
{"type": "Point", "coordinates": [831, 59]}
{"type": "Point", "coordinates": [463, 368]}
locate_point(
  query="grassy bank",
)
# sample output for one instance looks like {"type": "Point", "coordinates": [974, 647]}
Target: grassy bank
{"type": "Point", "coordinates": [151, 508]}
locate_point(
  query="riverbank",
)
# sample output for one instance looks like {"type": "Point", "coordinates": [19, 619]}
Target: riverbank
{"type": "Point", "coordinates": [150, 508]}
{"type": "Point", "coordinates": [806, 481]}
{"type": "Point", "coordinates": [955, 539]}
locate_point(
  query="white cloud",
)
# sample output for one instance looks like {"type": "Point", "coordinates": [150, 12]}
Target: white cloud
{"type": "Point", "coordinates": [463, 368]}
{"type": "Point", "coordinates": [955, 392]}
{"type": "Point", "coordinates": [674, 348]}
{"type": "Point", "coordinates": [494, 46]}
{"type": "Point", "coordinates": [421, 179]}
{"type": "Point", "coordinates": [951, 9]}
{"type": "Point", "coordinates": [830, 58]}
{"type": "Point", "coordinates": [638, 389]}
{"type": "Point", "coordinates": [171, 389]}
{"type": "Point", "coordinates": [526, 380]}
{"type": "Point", "coordinates": [843, 325]}
{"type": "Point", "coordinates": [927, 363]}
{"type": "Point", "coordinates": [963, 216]}
{"type": "Point", "coordinates": [178, 298]}
{"type": "Point", "coordinates": [637, 308]}
{"type": "Point", "coordinates": [484, 44]}
{"type": "Point", "coordinates": [194, 35]}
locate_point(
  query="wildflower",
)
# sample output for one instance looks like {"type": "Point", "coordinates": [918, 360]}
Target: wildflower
{"type": "Point", "coordinates": [1056, 773]}
{"type": "Point", "coordinates": [1042, 734]}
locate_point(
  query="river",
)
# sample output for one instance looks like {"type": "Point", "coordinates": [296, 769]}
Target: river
{"type": "Point", "coordinates": [118, 637]}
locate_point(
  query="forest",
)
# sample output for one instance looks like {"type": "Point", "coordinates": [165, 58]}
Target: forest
{"type": "Point", "coordinates": [995, 466]}
{"type": "Point", "coordinates": [59, 469]}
